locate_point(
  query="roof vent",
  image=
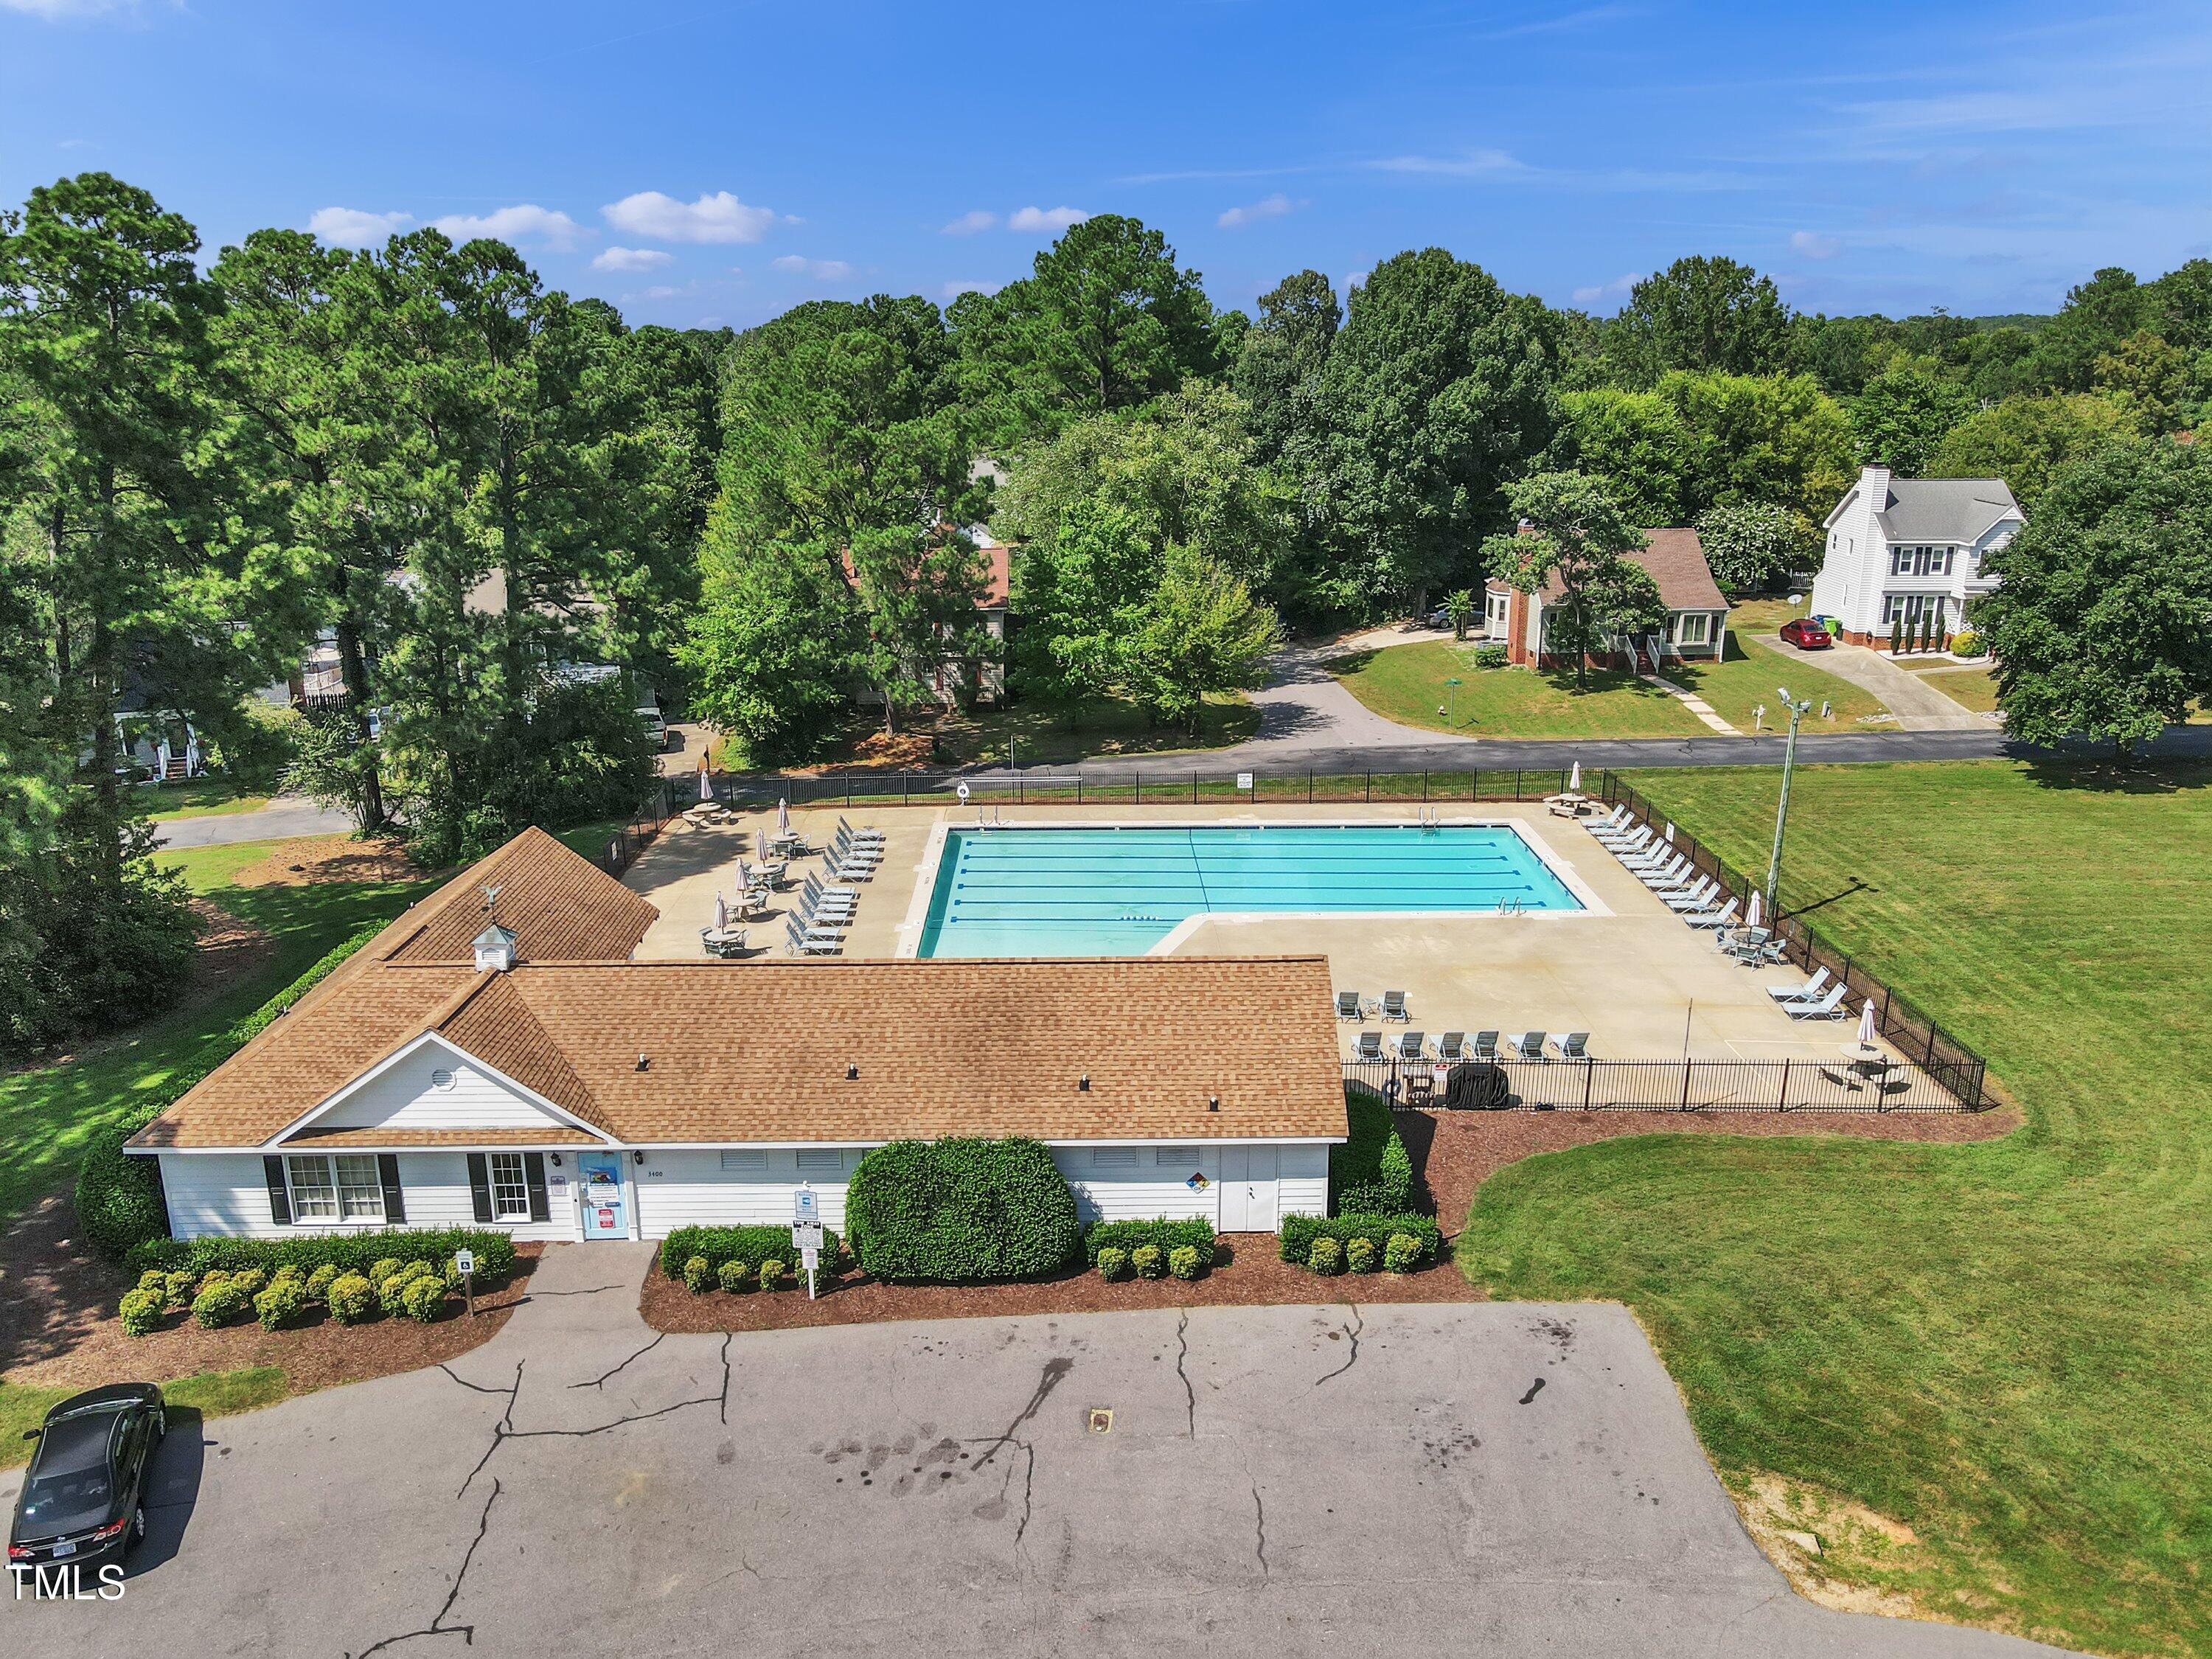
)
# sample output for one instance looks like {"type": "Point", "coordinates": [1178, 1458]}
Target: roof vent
{"type": "Point", "coordinates": [1214, 1102]}
{"type": "Point", "coordinates": [643, 1064]}
{"type": "Point", "coordinates": [852, 1072]}
{"type": "Point", "coordinates": [1083, 1083]}
{"type": "Point", "coordinates": [494, 948]}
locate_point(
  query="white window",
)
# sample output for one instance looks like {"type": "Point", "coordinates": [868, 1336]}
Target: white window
{"type": "Point", "coordinates": [1900, 562]}
{"type": "Point", "coordinates": [1692, 627]}
{"type": "Point", "coordinates": [342, 1188]}
{"type": "Point", "coordinates": [1113, 1157]}
{"type": "Point", "coordinates": [821, 1160]}
{"type": "Point", "coordinates": [750, 1162]}
{"type": "Point", "coordinates": [510, 1188]}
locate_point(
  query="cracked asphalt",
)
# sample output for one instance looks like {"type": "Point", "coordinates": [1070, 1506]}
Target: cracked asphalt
{"type": "Point", "coordinates": [1461, 1478]}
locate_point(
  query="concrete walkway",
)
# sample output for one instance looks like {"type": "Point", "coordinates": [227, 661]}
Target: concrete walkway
{"type": "Point", "coordinates": [1466, 1477]}
{"type": "Point", "coordinates": [1919, 706]}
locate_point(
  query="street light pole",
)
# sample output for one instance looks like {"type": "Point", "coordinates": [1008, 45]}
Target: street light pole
{"type": "Point", "coordinates": [1797, 712]}
{"type": "Point", "coordinates": [1452, 702]}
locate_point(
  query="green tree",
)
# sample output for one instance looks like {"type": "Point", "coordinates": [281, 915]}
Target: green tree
{"type": "Point", "coordinates": [1459, 609]}
{"type": "Point", "coordinates": [1750, 545]}
{"type": "Point", "coordinates": [1700, 313]}
{"type": "Point", "coordinates": [772, 647]}
{"type": "Point", "coordinates": [1200, 631]}
{"type": "Point", "coordinates": [1575, 531]}
{"type": "Point", "coordinates": [1761, 438]}
{"type": "Point", "coordinates": [1635, 440]}
{"type": "Point", "coordinates": [2098, 315]}
{"type": "Point", "coordinates": [2097, 625]}
{"type": "Point", "coordinates": [1903, 413]}
{"type": "Point", "coordinates": [1281, 373]}
{"type": "Point", "coordinates": [2026, 442]}
{"type": "Point", "coordinates": [1438, 392]}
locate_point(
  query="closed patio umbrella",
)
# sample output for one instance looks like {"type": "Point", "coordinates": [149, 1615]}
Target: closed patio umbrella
{"type": "Point", "coordinates": [721, 911]}
{"type": "Point", "coordinates": [706, 789]}
{"type": "Point", "coordinates": [1753, 912]}
{"type": "Point", "coordinates": [783, 816]}
{"type": "Point", "coordinates": [1575, 779]}
{"type": "Point", "coordinates": [1866, 1025]}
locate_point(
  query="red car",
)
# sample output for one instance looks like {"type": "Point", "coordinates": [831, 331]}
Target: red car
{"type": "Point", "coordinates": [1807, 635]}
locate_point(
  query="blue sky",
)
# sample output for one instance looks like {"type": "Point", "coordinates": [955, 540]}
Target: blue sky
{"type": "Point", "coordinates": [701, 163]}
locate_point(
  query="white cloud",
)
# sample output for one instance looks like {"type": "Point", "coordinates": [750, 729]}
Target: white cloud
{"type": "Point", "coordinates": [822, 270]}
{"type": "Point", "coordinates": [525, 222]}
{"type": "Point", "coordinates": [1815, 246]}
{"type": "Point", "coordinates": [1036, 218]}
{"type": "Point", "coordinates": [721, 217]}
{"type": "Point", "coordinates": [1616, 290]}
{"type": "Point", "coordinates": [969, 223]}
{"type": "Point", "coordinates": [631, 258]}
{"type": "Point", "coordinates": [1271, 207]}
{"type": "Point", "coordinates": [352, 227]}
{"type": "Point", "coordinates": [1473, 164]}
{"type": "Point", "coordinates": [662, 293]}
{"type": "Point", "coordinates": [1352, 279]}
{"type": "Point", "coordinates": [954, 290]}
{"type": "Point", "coordinates": [54, 11]}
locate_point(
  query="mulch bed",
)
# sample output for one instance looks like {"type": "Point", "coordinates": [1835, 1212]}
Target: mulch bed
{"type": "Point", "coordinates": [58, 1327]}
{"type": "Point", "coordinates": [331, 858]}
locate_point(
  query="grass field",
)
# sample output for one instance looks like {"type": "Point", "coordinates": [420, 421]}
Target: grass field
{"type": "Point", "coordinates": [1976, 688]}
{"type": "Point", "coordinates": [1405, 682]}
{"type": "Point", "coordinates": [2004, 1346]}
{"type": "Point", "coordinates": [199, 798]}
{"type": "Point", "coordinates": [208, 1393]}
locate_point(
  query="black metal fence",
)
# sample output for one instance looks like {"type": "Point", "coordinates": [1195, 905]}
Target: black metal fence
{"type": "Point", "coordinates": [651, 819]}
{"type": "Point", "coordinates": [1137, 786]}
{"type": "Point", "coordinates": [1654, 1085]}
{"type": "Point", "coordinates": [1949, 1063]}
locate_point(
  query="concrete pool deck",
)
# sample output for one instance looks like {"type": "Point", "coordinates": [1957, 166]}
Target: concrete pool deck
{"type": "Point", "coordinates": [1642, 984]}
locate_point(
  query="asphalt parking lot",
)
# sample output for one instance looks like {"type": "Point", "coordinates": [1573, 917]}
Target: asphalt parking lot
{"type": "Point", "coordinates": [1462, 1479]}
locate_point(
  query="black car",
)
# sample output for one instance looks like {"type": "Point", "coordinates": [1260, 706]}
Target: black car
{"type": "Point", "coordinates": [80, 1503]}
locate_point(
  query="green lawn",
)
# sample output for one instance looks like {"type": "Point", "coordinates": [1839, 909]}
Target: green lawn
{"type": "Point", "coordinates": [197, 797]}
{"type": "Point", "coordinates": [1405, 682]}
{"type": "Point", "coordinates": [1976, 688]}
{"type": "Point", "coordinates": [47, 1113]}
{"type": "Point", "coordinates": [1036, 731]}
{"type": "Point", "coordinates": [207, 1394]}
{"type": "Point", "coordinates": [2005, 1345]}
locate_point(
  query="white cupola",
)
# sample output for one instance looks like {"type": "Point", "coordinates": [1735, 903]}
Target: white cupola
{"type": "Point", "coordinates": [495, 950]}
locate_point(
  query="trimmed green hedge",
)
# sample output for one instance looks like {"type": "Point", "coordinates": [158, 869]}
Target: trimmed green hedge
{"type": "Point", "coordinates": [1169, 1235]}
{"type": "Point", "coordinates": [750, 1245]}
{"type": "Point", "coordinates": [961, 1211]}
{"type": "Point", "coordinates": [119, 1197]}
{"type": "Point", "coordinates": [1295, 1240]}
{"type": "Point", "coordinates": [1371, 1173]}
{"type": "Point", "coordinates": [348, 1252]}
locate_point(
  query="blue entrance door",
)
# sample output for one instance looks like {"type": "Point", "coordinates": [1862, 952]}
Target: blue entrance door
{"type": "Point", "coordinates": [601, 1174]}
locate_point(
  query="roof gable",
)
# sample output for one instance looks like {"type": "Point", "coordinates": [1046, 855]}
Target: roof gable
{"type": "Point", "coordinates": [431, 1083]}
{"type": "Point", "coordinates": [560, 905]}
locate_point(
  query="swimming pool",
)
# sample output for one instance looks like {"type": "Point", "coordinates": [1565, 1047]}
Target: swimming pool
{"type": "Point", "coordinates": [1070, 892]}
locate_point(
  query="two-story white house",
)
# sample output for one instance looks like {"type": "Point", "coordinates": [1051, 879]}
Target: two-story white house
{"type": "Point", "coordinates": [1902, 548]}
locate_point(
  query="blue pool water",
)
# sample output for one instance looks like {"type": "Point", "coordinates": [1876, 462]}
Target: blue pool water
{"type": "Point", "coordinates": [1118, 892]}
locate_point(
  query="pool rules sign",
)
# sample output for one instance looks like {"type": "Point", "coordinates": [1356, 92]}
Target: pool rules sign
{"type": "Point", "coordinates": [806, 1230]}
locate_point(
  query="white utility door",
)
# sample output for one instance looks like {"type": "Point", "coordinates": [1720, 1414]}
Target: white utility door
{"type": "Point", "coordinates": [1248, 1189]}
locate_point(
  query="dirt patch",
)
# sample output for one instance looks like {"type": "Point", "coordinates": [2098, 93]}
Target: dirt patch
{"type": "Point", "coordinates": [330, 857]}
{"type": "Point", "coordinates": [1246, 1273]}
{"type": "Point", "coordinates": [1455, 1152]}
{"type": "Point", "coordinates": [1830, 1547]}
{"type": "Point", "coordinates": [229, 949]}
{"type": "Point", "coordinates": [58, 1328]}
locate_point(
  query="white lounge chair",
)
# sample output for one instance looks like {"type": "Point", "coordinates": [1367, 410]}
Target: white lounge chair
{"type": "Point", "coordinates": [858, 832]}
{"type": "Point", "coordinates": [1810, 991]}
{"type": "Point", "coordinates": [1370, 1046]}
{"type": "Point", "coordinates": [846, 844]}
{"type": "Point", "coordinates": [1527, 1045]}
{"type": "Point", "coordinates": [1696, 899]}
{"type": "Point", "coordinates": [1723, 917]}
{"type": "Point", "coordinates": [812, 941]}
{"type": "Point", "coordinates": [1674, 869]}
{"type": "Point", "coordinates": [1348, 1007]}
{"type": "Point", "coordinates": [1827, 1006]}
{"type": "Point", "coordinates": [1575, 1046]}
{"type": "Point", "coordinates": [1630, 846]}
{"type": "Point", "coordinates": [1408, 1047]}
{"type": "Point", "coordinates": [1393, 1005]}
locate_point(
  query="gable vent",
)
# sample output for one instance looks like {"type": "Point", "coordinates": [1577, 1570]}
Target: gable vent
{"type": "Point", "coordinates": [442, 1077]}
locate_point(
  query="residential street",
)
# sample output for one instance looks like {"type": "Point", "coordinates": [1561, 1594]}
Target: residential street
{"type": "Point", "coordinates": [1484, 1479]}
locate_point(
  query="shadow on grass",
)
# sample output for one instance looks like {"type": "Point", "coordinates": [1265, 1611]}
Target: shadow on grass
{"type": "Point", "coordinates": [2106, 775]}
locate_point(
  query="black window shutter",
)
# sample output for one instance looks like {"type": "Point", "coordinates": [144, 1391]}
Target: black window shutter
{"type": "Point", "coordinates": [533, 1166]}
{"type": "Point", "coordinates": [280, 1196]}
{"type": "Point", "coordinates": [480, 1185]}
{"type": "Point", "coordinates": [395, 1202]}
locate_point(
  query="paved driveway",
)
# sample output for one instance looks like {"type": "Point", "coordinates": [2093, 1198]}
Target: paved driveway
{"type": "Point", "coordinates": [1461, 1479]}
{"type": "Point", "coordinates": [279, 819]}
{"type": "Point", "coordinates": [1919, 706]}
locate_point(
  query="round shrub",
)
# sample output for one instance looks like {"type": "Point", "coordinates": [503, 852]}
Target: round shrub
{"type": "Point", "coordinates": [153, 1280]}
{"type": "Point", "coordinates": [251, 1280]}
{"type": "Point", "coordinates": [1148, 1261]}
{"type": "Point", "coordinates": [392, 1293]}
{"type": "Point", "coordinates": [290, 1270]}
{"type": "Point", "coordinates": [280, 1303]}
{"type": "Point", "coordinates": [218, 1304]}
{"type": "Point", "coordinates": [383, 1268]}
{"type": "Point", "coordinates": [1183, 1262]}
{"type": "Point", "coordinates": [1491, 655]}
{"type": "Point", "coordinates": [1328, 1257]}
{"type": "Point", "coordinates": [771, 1274]}
{"type": "Point", "coordinates": [352, 1299]}
{"type": "Point", "coordinates": [1360, 1255]}
{"type": "Point", "coordinates": [961, 1211]}
{"type": "Point", "coordinates": [1113, 1263]}
{"type": "Point", "coordinates": [1402, 1253]}
{"type": "Point", "coordinates": [318, 1282]}
{"type": "Point", "coordinates": [698, 1274]}
{"type": "Point", "coordinates": [142, 1310]}
{"type": "Point", "coordinates": [118, 1198]}
{"type": "Point", "coordinates": [734, 1275]}
{"type": "Point", "coordinates": [424, 1299]}
{"type": "Point", "coordinates": [177, 1290]}
{"type": "Point", "coordinates": [1967, 643]}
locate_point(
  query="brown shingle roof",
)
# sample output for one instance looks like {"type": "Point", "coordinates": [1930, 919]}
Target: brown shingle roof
{"type": "Point", "coordinates": [563, 907]}
{"type": "Point", "coordinates": [759, 1051]}
{"type": "Point", "coordinates": [1676, 560]}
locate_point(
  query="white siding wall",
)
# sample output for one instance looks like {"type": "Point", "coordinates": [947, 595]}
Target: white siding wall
{"type": "Point", "coordinates": [1302, 1187]}
{"type": "Point", "coordinates": [691, 1188]}
{"type": "Point", "coordinates": [406, 1098]}
{"type": "Point", "coordinates": [1152, 1185]}
{"type": "Point", "coordinates": [227, 1194]}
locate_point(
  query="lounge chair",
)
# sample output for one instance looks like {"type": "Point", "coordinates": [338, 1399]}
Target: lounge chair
{"type": "Point", "coordinates": [844, 870]}
{"type": "Point", "coordinates": [1348, 1007]}
{"type": "Point", "coordinates": [1723, 917]}
{"type": "Point", "coordinates": [1629, 837]}
{"type": "Point", "coordinates": [1827, 1006]}
{"type": "Point", "coordinates": [1676, 869]}
{"type": "Point", "coordinates": [1574, 1046]}
{"type": "Point", "coordinates": [1451, 1048]}
{"type": "Point", "coordinates": [1616, 819]}
{"type": "Point", "coordinates": [858, 832]}
{"type": "Point", "coordinates": [1808, 992]}
{"type": "Point", "coordinates": [1408, 1047]}
{"type": "Point", "coordinates": [1696, 899]}
{"type": "Point", "coordinates": [811, 941]}
{"type": "Point", "coordinates": [845, 844]}
{"type": "Point", "coordinates": [1370, 1046]}
{"type": "Point", "coordinates": [1393, 1005]}
{"type": "Point", "coordinates": [815, 896]}
{"type": "Point", "coordinates": [1485, 1046]}
{"type": "Point", "coordinates": [1527, 1045]}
